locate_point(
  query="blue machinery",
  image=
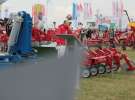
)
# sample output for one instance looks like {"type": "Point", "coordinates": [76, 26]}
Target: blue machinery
{"type": "Point", "coordinates": [19, 43]}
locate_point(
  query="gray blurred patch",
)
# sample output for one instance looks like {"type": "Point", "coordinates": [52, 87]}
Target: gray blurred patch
{"type": "Point", "coordinates": [41, 79]}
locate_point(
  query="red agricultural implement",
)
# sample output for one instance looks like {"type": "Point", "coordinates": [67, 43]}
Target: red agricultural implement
{"type": "Point", "coordinates": [38, 38]}
{"type": "Point", "coordinates": [3, 42]}
{"type": "Point", "coordinates": [129, 40]}
{"type": "Point", "coordinates": [125, 39]}
{"type": "Point", "coordinates": [100, 61]}
{"type": "Point", "coordinates": [104, 60]}
{"type": "Point", "coordinates": [122, 39]}
{"type": "Point", "coordinates": [99, 40]}
{"type": "Point", "coordinates": [41, 37]}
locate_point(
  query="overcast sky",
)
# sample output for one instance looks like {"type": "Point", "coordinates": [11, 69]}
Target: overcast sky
{"type": "Point", "coordinates": [58, 9]}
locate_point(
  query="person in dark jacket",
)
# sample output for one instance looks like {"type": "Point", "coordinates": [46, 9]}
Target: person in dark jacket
{"type": "Point", "coordinates": [89, 33]}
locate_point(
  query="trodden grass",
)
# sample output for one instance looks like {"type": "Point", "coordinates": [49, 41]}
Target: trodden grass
{"type": "Point", "coordinates": [115, 86]}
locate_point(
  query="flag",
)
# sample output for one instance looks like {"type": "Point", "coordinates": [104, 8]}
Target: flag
{"type": "Point", "coordinates": [80, 6]}
{"type": "Point", "coordinates": [117, 8]}
{"type": "Point", "coordinates": [90, 10]}
{"type": "Point", "coordinates": [114, 8]}
{"type": "Point", "coordinates": [38, 12]}
{"type": "Point", "coordinates": [121, 7]}
{"type": "Point", "coordinates": [74, 12]}
{"type": "Point", "coordinates": [38, 8]}
{"type": "Point", "coordinates": [87, 10]}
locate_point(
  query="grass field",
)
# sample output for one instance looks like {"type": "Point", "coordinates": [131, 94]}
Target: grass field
{"type": "Point", "coordinates": [115, 86]}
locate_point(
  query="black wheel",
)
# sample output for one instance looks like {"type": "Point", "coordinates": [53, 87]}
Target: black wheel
{"type": "Point", "coordinates": [108, 70]}
{"type": "Point", "coordinates": [101, 69]}
{"type": "Point", "coordinates": [93, 71]}
{"type": "Point", "coordinates": [115, 67]}
{"type": "Point", "coordinates": [85, 73]}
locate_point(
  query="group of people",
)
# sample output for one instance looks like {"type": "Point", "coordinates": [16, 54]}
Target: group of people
{"type": "Point", "coordinates": [81, 32]}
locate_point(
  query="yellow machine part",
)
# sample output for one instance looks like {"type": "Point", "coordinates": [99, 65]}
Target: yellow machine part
{"type": "Point", "coordinates": [131, 24]}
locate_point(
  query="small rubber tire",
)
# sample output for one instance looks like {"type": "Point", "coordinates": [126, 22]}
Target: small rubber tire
{"type": "Point", "coordinates": [101, 69]}
{"type": "Point", "coordinates": [93, 71]}
{"type": "Point", "coordinates": [108, 70]}
{"type": "Point", "coordinates": [115, 67]}
{"type": "Point", "coordinates": [85, 73]}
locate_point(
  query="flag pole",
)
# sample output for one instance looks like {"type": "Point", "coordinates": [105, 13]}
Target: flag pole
{"type": "Point", "coordinates": [47, 3]}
